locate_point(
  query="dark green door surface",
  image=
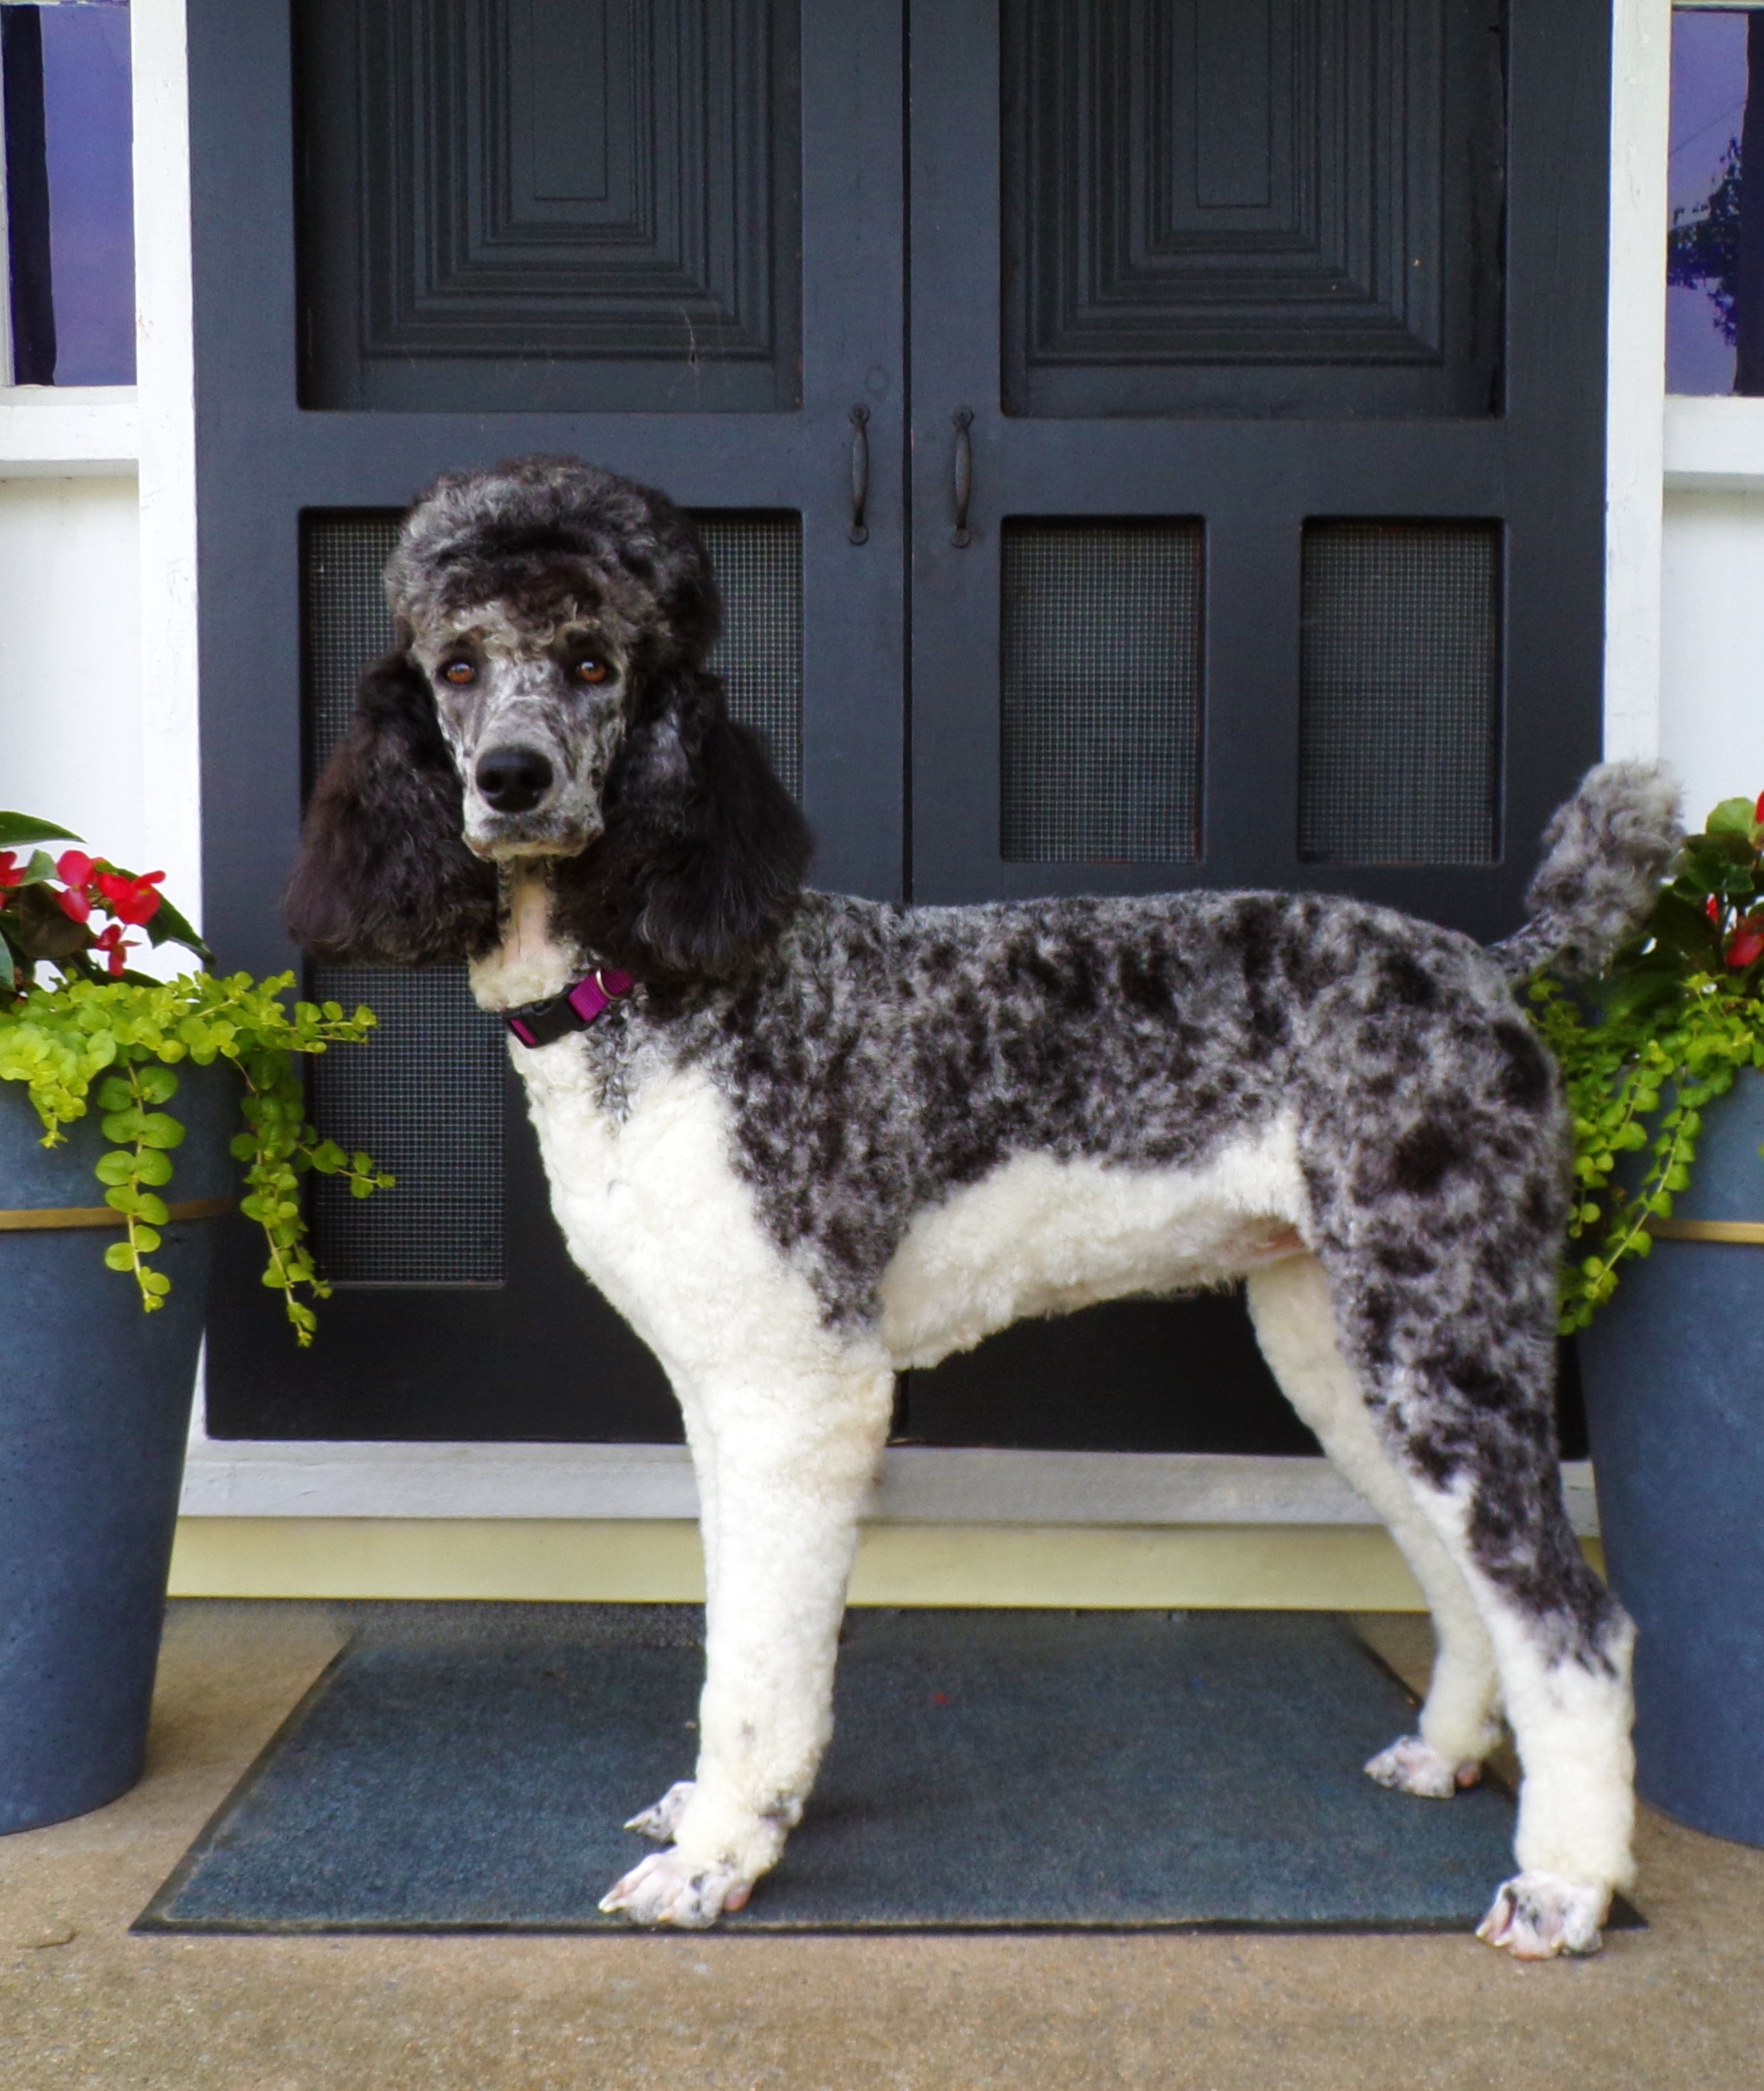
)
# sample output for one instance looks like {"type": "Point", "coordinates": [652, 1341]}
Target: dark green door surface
{"type": "Point", "coordinates": [1223, 380]}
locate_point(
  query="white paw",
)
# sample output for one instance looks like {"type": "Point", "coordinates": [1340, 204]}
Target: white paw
{"type": "Point", "coordinates": [1537, 1915]}
{"type": "Point", "coordinates": [669, 1888]}
{"type": "Point", "coordinates": [661, 1820]}
{"type": "Point", "coordinates": [1411, 1766]}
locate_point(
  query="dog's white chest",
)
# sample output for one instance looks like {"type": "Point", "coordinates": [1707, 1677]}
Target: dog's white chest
{"type": "Point", "coordinates": [655, 1214]}
{"type": "Point", "coordinates": [1041, 1235]}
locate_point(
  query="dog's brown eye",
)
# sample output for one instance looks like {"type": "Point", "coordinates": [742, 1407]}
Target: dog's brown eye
{"type": "Point", "coordinates": [592, 670]}
{"type": "Point", "coordinates": [459, 673]}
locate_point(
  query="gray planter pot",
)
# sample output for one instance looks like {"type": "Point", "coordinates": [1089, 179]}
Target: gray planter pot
{"type": "Point", "coordinates": [1673, 1368]}
{"type": "Point", "coordinates": [94, 1410]}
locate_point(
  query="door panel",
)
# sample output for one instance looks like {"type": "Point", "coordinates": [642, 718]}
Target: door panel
{"type": "Point", "coordinates": [1202, 437]}
{"type": "Point", "coordinates": [1185, 273]}
{"type": "Point", "coordinates": [1291, 207]}
{"type": "Point", "coordinates": [523, 204]}
{"type": "Point", "coordinates": [489, 312]}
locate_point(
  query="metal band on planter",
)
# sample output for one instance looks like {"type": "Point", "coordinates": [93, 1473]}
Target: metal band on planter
{"type": "Point", "coordinates": [1708, 1231]}
{"type": "Point", "coordinates": [38, 1218]}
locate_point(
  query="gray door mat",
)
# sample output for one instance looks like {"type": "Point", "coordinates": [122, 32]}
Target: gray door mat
{"type": "Point", "coordinates": [466, 1768]}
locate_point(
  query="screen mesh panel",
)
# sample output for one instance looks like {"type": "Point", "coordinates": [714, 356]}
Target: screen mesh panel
{"type": "Point", "coordinates": [758, 564]}
{"type": "Point", "coordinates": [1100, 692]}
{"type": "Point", "coordinates": [425, 1097]}
{"type": "Point", "coordinates": [1400, 693]}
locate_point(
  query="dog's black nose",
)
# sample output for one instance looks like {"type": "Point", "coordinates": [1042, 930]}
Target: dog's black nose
{"type": "Point", "coordinates": [513, 780]}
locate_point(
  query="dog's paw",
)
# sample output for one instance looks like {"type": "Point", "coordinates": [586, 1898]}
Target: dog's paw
{"type": "Point", "coordinates": [1537, 1915]}
{"type": "Point", "coordinates": [1411, 1766]}
{"type": "Point", "coordinates": [669, 1888]}
{"type": "Point", "coordinates": [661, 1820]}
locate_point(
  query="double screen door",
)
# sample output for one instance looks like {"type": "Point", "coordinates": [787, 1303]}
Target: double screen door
{"type": "Point", "coordinates": [1143, 443]}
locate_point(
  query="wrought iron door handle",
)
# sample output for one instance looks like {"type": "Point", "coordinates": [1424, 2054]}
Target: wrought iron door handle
{"type": "Point", "coordinates": [859, 532]}
{"type": "Point", "coordinates": [964, 476]}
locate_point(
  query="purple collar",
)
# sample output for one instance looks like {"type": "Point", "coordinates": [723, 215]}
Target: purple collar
{"type": "Point", "coordinates": [540, 1023]}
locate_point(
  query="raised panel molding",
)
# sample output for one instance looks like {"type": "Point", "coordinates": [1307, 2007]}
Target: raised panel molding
{"type": "Point", "coordinates": [581, 203]}
{"type": "Point", "coordinates": [1252, 205]}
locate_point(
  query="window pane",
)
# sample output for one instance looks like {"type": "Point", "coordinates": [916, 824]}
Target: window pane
{"type": "Point", "coordinates": [1715, 262]}
{"type": "Point", "coordinates": [70, 192]}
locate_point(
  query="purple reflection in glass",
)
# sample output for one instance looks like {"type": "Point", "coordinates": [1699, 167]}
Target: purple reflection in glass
{"type": "Point", "coordinates": [70, 191]}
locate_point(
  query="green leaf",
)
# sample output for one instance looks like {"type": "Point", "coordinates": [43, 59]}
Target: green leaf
{"type": "Point", "coordinates": [156, 1283]}
{"type": "Point", "coordinates": [118, 1167]}
{"type": "Point", "coordinates": [123, 1125]}
{"type": "Point", "coordinates": [152, 1166]}
{"type": "Point", "coordinates": [114, 1094]}
{"type": "Point", "coordinates": [119, 1257]}
{"type": "Point", "coordinates": [1732, 816]}
{"type": "Point", "coordinates": [158, 1129]}
{"type": "Point", "coordinates": [146, 1238]}
{"type": "Point", "coordinates": [157, 1084]}
{"type": "Point", "coordinates": [16, 828]}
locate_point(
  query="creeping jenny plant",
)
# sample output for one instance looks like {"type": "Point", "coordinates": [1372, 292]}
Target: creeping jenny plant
{"type": "Point", "coordinates": [1666, 1027]}
{"type": "Point", "coordinates": [99, 1023]}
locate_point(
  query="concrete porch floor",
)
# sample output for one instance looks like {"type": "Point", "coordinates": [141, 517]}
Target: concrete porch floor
{"type": "Point", "coordinates": [82, 2003]}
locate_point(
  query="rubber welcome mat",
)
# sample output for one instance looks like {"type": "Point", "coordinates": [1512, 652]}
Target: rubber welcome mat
{"type": "Point", "coordinates": [990, 1770]}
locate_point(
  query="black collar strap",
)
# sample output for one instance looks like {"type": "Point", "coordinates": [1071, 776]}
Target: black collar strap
{"type": "Point", "coordinates": [541, 1023]}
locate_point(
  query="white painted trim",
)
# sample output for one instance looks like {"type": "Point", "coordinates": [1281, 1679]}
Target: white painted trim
{"type": "Point", "coordinates": [1715, 445]}
{"type": "Point", "coordinates": [165, 350]}
{"type": "Point", "coordinates": [921, 1485]}
{"type": "Point", "coordinates": [1642, 42]}
{"type": "Point", "coordinates": [56, 431]}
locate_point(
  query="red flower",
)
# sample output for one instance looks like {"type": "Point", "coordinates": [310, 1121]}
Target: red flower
{"type": "Point", "coordinates": [75, 903]}
{"type": "Point", "coordinates": [75, 868]}
{"type": "Point", "coordinates": [1747, 943]}
{"type": "Point", "coordinates": [1758, 811]}
{"type": "Point", "coordinates": [112, 944]}
{"type": "Point", "coordinates": [1712, 908]}
{"type": "Point", "coordinates": [130, 899]}
{"type": "Point", "coordinates": [11, 871]}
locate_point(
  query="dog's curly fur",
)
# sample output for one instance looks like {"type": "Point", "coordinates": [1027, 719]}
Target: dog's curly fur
{"type": "Point", "coordinates": [828, 1138]}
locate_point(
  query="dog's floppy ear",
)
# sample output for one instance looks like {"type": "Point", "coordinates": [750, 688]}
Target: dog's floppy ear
{"type": "Point", "coordinates": [704, 852]}
{"type": "Point", "coordinates": [384, 877]}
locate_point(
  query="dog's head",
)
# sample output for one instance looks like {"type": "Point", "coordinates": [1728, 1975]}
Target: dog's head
{"type": "Point", "coordinates": [550, 701]}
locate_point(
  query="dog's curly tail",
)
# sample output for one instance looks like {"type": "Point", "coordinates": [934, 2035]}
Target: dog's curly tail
{"type": "Point", "coordinates": [1606, 853]}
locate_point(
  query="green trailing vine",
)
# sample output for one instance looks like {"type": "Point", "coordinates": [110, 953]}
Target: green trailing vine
{"type": "Point", "coordinates": [1667, 1028]}
{"type": "Point", "coordinates": [100, 1034]}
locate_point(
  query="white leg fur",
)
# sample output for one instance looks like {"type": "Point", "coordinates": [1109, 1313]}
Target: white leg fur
{"type": "Point", "coordinates": [794, 1466]}
{"type": "Point", "coordinates": [1571, 1724]}
{"type": "Point", "coordinates": [786, 1423]}
{"type": "Point", "coordinates": [1294, 1325]}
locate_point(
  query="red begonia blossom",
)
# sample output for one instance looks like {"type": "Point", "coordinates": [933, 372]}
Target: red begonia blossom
{"type": "Point", "coordinates": [131, 900]}
{"type": "Point", "coordinates": [111, 941]}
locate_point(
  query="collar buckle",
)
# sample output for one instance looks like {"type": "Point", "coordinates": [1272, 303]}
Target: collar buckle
{"type": "Point", "coordinates": [542, 1023]}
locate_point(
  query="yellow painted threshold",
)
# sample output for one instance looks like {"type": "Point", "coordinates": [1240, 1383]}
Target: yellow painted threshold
{"type": "Point", "coordinates": [1280, 1567]}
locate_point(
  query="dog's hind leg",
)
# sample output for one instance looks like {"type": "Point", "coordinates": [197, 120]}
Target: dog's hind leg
{"type": "Point", "coordinates": [1457, 1353]}
{"type": "Point", "coordinates": [792, 1462]}
{"type": "Point", "coordinates": [1294, 1325]}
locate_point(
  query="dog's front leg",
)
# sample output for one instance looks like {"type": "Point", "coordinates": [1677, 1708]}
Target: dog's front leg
{"type": "Point", "coordinates": [784, 1475]}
